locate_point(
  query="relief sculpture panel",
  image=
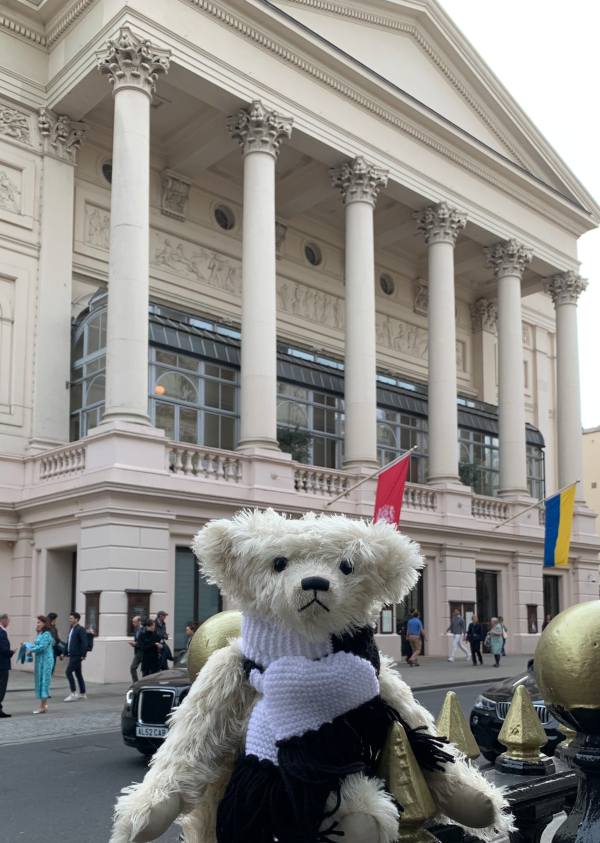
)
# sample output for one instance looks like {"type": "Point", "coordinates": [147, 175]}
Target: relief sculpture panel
{"type": "Point", "coordinates": [15, 124]}
{"type": "Point", "coordinates": [196, 262]}
{"type": "Point", "coordinates": [97, 226]}
{"type": "Point", "coordinates": [10, 189]}
{"type": "Point", "coordinates": [310, 304]}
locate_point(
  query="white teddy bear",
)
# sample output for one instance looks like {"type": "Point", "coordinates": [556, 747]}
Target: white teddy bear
{"type": "Point", "coordinates": [281, 733]}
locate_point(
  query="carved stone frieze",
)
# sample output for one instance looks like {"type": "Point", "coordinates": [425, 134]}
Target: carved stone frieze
{"type": "Point", "coordinates": [60, 135]}
{"type": "Point", "coordinates": [359, 181]}
{"type": "Point", "coordinates": [565, 287]}
{"type": "Point", "coordinates": [195, 262]}
{"type": "Point", "coordinates": [133, 62]}
{"type": "Point", "coordinates": [421, 302]}
{"type": "Point", "coordinates": [508, 258]}
{"type": "Point", "coordinates": [257, 129]}
{"type": "Point", "coordinates": [175, 195]}
{"type": "Point", "coordinates": [440, 223]}
{"type": "Point", "coordinates": [97, 226]}
{"type": "Point", "coordinates": [484, 315]}
{"type": "Point", "coordinates": [10, 190]}
{"type": "Point", "coordinates": [15, 124]}
{"type": "Point", "coordinates": [307, 303]}
{"type": "Point", "coordinates": [404, 337]}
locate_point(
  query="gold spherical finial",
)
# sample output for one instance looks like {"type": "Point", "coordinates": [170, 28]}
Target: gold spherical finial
{"type": "Point", "coordinates": [567, 659]}
{"type": "Point", "coordinates": [213, 634]}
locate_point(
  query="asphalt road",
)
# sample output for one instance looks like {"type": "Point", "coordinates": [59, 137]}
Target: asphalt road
{"type": "Point", "coordinates": [64, 788]}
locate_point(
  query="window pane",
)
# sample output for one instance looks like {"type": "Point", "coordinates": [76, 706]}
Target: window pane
{"type": "Point", "coordinates": [188, 425]}
{"type": "Point", "coordinates": [211, 430]}
{"type": "Point", "coordinates": [78, 348]}
{"type": "Point", "coordinates": [386, 436]}
{"type": "Point", "coordinates": [74, 428]}
{"type": "Point", "coordinates": [319, 419]}
{"type": "Point", "coordinates": [290, 390]}
{"type": "Point", "coordinates": [178, 387]}
{"type": "Point", "coordinates": [318, 451]}
{"type": "Point", "coordinates": [76, 396]}
{"type": "Point", "coordinates": [211, 370]}
{"type": "Point", "coordinates": [227, 397]}
{"type": "Point", "coordinates": [92, 418]}
{"type": "Point", "coordinates": [227, 374]}
{"type": "Point", "coordinates": [211, 394]}
{"type": "Point", "coordinates": [94, 334]}
{"type": "Point", "coordinates": [169, 358]}
{"type": "Point", "coordinates": [186, 362]}
{"type": "Point", "coordinates": [165, 418]}
{"type": "Point", "coordinates": [96, 365]}
{"type": "Point", "coordinates": [227, 433]}
{"type": "Point", "coordinates": [292, 414]}
{"type": "Point", "coordinates": [95, 390]}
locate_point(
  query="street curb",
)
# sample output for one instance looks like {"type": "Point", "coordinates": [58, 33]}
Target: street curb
{"type": "Point", "coordinates": [458, 684]}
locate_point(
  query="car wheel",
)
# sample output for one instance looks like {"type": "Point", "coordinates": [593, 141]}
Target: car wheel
{"type": "Point", "coordinates": [489, 755]}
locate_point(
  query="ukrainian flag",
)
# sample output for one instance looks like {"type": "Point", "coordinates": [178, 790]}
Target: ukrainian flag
{"type": "Point", "coordinates": [559, 520]}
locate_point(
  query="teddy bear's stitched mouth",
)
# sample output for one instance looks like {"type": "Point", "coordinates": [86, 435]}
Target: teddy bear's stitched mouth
{"type": "Point", "coordinates": [310, 603]}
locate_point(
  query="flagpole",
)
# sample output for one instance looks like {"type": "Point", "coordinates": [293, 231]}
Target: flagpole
{"type": "Point", "coordinates": [537, 503]}
{"type": "Point", "coordinates": [371, 476]}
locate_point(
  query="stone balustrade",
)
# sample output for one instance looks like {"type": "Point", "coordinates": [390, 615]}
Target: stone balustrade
{"type": "Point", "coordinates": [320, 481]}
{"type": "Point", "coordinates": [419, 498]}
{"type": "Point", "coordinates": [489, 509]}
{"type": "Point", "coordinates": [207, 463]}
{"type": "Point", "coordinates": [62, 462]}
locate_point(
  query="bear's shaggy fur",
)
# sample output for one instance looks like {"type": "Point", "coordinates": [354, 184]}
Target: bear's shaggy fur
{"type": "Point", "coordinates": [188, 774]}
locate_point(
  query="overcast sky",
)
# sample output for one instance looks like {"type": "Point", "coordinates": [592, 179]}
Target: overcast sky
{"type": "Point", "coordinates": [545, 52]}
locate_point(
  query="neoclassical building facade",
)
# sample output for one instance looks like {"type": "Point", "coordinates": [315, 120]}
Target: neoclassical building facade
{"type": "Point", "coordinates": [251, 250]}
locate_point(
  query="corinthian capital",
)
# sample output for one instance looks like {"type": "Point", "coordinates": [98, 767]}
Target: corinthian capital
{"type": "Point", "coordinates": [60, 135]}
{"type": "Point", "coordinates": [440, 223]}
{"type": "Point", "coordinates": [508, 258]}
{"type": "Point", "coordinates": [132, 62]}
{"type": "Point", "coordinates": [565, 287]}
{"type": "Point", "coordinates": [257, 129]}
{"type": "Point", "coordinates": [359, 181]}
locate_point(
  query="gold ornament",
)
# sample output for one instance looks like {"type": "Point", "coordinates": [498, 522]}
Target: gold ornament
{"type": "Point", "coordinates": [523, 736]}
{"type": "Point", "coordinates": [453, 725]}
{"type": "Point", "coordinates": [567, 658]}
{"type": "Point", "coordinates": [213, 634]}
{"type": "Point", "coordinates": [406, 783]}
{"type": "Point", "coordinates": [569, 735]}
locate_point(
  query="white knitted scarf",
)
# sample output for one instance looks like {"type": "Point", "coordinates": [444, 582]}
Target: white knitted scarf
{"type": "Point", "coordinates": [302, 684]}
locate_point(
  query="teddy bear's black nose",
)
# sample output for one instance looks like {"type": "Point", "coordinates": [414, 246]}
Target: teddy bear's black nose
{"type": "Point", "coordinates": [315, 584]}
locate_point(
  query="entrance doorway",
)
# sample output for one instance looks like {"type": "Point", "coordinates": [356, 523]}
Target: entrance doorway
{"type": "Point", "coordinates": [61, 586]}
{"type": "Point", "coordinates": [487, 595]}
{"type": "Point", "coordinates": [195, 599]}
{"type": "Point", "coordinates": [413, 600]}
{"type": "Point", "coordinates": [551, 595]}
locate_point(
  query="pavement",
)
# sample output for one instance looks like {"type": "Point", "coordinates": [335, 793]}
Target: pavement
{"type": "Point", "coordinates": [435, 672]}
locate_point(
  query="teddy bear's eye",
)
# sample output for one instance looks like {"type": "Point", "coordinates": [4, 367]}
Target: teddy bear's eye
{"type": "Point", "coordinates": [280, 563]}
{"type": "Point", "coordinates": [346, 566]}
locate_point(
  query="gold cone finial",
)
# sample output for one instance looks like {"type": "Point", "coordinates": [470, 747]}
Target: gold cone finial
{"type": "Point", "coordinates": [568, 733]}
{"type": "Point", "coordinates": [453, 725]}
{"type": "Point", "coordinates": [523, 736]}
{"type": "Point", "coordinates": [406, 783]}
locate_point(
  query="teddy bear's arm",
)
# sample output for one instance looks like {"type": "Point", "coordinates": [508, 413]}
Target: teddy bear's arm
{"type": "Point", "coordinates": [462, 794]}
{"type": "Point", "coordinates": [205, 734]}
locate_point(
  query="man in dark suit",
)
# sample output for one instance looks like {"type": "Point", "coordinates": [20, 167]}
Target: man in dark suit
{"type": "Point", "coordinates": [76, 651]}
{"type": "Point", "coordinates": [5, 657]}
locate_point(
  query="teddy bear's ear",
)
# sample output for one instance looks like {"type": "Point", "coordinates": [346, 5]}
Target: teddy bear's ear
{"type": "Point", "coordinates": [399, 565]}
{"type": "Point", "coordinates": [212, 546]}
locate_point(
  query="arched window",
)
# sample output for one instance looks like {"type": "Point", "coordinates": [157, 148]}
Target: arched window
{"type": "Point", "coordinates": [88, 364]}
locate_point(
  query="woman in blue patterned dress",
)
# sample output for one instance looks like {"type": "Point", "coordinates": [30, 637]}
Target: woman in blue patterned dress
{"type": "Point", "coordinates": [43, 647]}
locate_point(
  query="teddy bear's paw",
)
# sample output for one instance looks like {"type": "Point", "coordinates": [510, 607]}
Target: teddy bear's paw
{"type": "Point", "coordinates": [139, 822]}
{"type": "Point", "coordinates": [366, 813]}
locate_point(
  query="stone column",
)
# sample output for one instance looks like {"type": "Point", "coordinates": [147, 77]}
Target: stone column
{"type": "Point", "coordinates": [565, 288]}
{"type": "Point", "coordinates": [441, 225]}
{"type": "Point", "coordinates": [132, 66]}
{"type": "Point", "coordinates": [260, 133]}
{"type": "Point", "coordinates": [360, 183]}
{"type": "Point", "coordinates": [509, 260]}
{"type": "Point", "coordinates": [61, 139]}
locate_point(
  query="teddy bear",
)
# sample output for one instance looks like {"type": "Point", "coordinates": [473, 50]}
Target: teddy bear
{"type": "Point", "coordinates": [280, 735]}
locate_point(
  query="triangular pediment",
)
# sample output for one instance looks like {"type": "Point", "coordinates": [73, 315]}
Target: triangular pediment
{"type": "Point", "coordinates": [416, 48]}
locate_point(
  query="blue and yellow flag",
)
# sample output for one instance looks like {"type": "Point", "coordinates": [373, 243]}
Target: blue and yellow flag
{"type": "Point", "coordinates": [559, 520]}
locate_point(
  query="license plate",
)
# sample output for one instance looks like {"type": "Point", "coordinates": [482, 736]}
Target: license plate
{"type": "Point", "coordinates": [151, 731]}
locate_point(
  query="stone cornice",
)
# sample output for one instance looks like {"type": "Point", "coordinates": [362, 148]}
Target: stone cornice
{"type": "Point", "coordinates": [440, 223]}
{"type": "Point", "coordinates": [257, 129]}
{"type": "Point", "coordinates": [508, 258]}
{"type": "Point", "coordinates": [565, 287]}
{"type": "Point", "coordinates": [17, 27]}
{"type": "Point", "coordinates": [386, 22]}
{"type": "Point", "coordinates": [61, 24]}
{"type": "Point", "coordinates": [359, 181]}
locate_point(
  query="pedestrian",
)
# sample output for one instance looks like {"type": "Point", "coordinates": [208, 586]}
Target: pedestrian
{"type": "Point", "coordinates": [6, 655]}
{"type": "Point", "coordinates": [163, 637]}
{"type": "Point", "coordinates": [42, 647]}
{"type": "Point", "coordinates": [76, 651]}
{"type": "Point", "coordinates": [190, 630]}
{"type": "Point", "coordinates": [58, 647]}
{"type": "Point", "coordinates": [504, 634]}
{"type": "Point", "coordinates": [415, 633]}
{"type": "Point", "coordinates": [496, 640]}
{"type": "Point", "coordinates": [547, 619]}
{"type": "Point", "coordinates": [475, 636]}
{"type": "Point", "coordinates": [138, 628]}
{"type": "Point", "coordinates": [151, 646]}
{"type": "Point", "coordinates": [457, 632]}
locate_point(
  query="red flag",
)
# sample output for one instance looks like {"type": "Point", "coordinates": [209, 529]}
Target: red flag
{"type": "Point", "coordinates": [390, 490]}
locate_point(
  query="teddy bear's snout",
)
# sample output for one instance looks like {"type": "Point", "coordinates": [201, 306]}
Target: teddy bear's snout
{"type": "Point", "coordinates": [315, 584]}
